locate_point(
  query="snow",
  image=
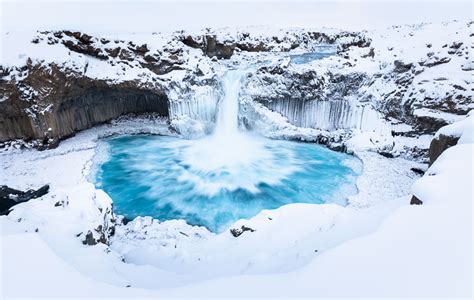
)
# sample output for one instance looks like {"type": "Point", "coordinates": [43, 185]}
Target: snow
{"type": "Point", "coordinates": [462, 129]}
{"type": "Point", "coordinates": [450, 118]}
{"type": "Point", "coordinates": [142, 240]}
{"type": "Point", "coordinates": [378, 245]}
{"type": "Point", "coordinates": [420, 250]}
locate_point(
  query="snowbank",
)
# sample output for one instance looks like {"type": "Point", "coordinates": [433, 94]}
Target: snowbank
{"type": "Point", "coordinates": [150, 254]}
{"type": "Point", "coordinates": [417, 251]}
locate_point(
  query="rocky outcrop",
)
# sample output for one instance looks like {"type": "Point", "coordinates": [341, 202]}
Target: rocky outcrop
{"type": "Point", "coordinates": [103, 222]}
{"type": "Point", "coordinates": [401, 66]}
{"type": "Point", "coordinates": [439, 144]}
{"type": "Point", "coordinates": [210, 45]}
{"type": "Point", "coordinates": [415, 201]}
{"type": "Point", "coordinates": [10, 197]}
{"type": "Point", "coordinates": [308, 98]}
{"type": "Point", "coordinates": [236, 232]}
{"type": "Point", "coordinates": [52, 103]}
{"type": "Point", "coordinates": [223, 47]}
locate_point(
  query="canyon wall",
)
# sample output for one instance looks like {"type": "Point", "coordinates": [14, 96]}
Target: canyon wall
{"type": "Point", "coordinates": [60, 82]}
{"type": "Point", "coordinates": [67, 104]}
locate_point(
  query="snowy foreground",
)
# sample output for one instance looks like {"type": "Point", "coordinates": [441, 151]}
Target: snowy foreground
{"type": "Point", "coordinates": [379, 245]}
{"type": "Point", "coordinates": [384, 247]}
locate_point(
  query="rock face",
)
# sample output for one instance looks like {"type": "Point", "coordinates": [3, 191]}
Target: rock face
{"type": "Point", "coordinates": [67, 103]}
{"type": "Point", "coordinates": [311, 99]}
{"type": "Point", "coordinates": [210, 46]}
{"type": "Point", "coordinates": [49, 100]}
{"type": "Point", "coordinates": [439, 144]}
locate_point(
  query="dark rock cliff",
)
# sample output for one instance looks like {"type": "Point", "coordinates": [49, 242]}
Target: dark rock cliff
{"type": "Point", "coordinates": [64, 102]}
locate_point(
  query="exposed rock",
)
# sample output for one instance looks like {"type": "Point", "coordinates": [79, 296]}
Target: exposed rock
{"type": "Point", "coordinates": [103, 232]}
{"type": "Point", "coordinates": [113, 52]}
{"type": "Point", "coordinates": [213, 47]}
{"type": "Point", "coordinates": [417, 171]}
{"type": "Point", "coordinates": [218, 49]}
{"type": "Point", "coordinates": [439, 144]}
{"type": "Point", "coordinates": [352, 40]}
{"type": "Point", "coordinates": [401, 67]}
{"type": "Point", "coordinates": [192, 42]}
{"type": "Point", "coordinates": [10, 197]}
{"type": "Point", "coordinates": [89, 239]}
{"type": "Point", "coordinates": [210, 46]}
{"type": "Point", "coordinates": [456, 45]}
{"type": "Point", "coordinates": [415, 201]}
{"type": "Point", "coordinates": [85, 49]}
{"type": "Point", "coordinates": [371, 53]}
{"type": "Point", "coordinates": [385, 154]}
{"type": "Point", "coordinates": [142, 49]}
{"type": "Point", "coordinates": [434, 61]}
{"type": "Point", "coordinates": [161, 66]}
{"type": "Point", "coordinates": [236, 232]}
{"type": "Point", "coordinates": [428, 124]}
{"type": "Point", "coordinates": [69, 102]}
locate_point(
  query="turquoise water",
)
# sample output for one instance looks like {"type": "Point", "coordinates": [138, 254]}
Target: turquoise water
{"type": "Point", "coordinates": [319, 53]}
{"type": "Point", "coordinates": [167, 178]}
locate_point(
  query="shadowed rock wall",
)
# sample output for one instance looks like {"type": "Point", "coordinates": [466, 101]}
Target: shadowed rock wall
{"type": "Point", "coordinates": [93, 106]}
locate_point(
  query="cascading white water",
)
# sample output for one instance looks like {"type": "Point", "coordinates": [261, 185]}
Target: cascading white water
{"type": "Point", "coordinates": [230, 159]}
{"type": "Point", "coordinates": [227, 125]}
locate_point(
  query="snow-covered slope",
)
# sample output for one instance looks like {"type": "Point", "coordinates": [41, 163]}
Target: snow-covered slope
{"type": "Point", "coordinates": [389, 249]}
{"type": "Point", "coordinates": [384, 91]}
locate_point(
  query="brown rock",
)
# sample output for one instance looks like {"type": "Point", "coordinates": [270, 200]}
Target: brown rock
{"type": "Point", "coordinates": [67, 102]}
{"type": "Point", "coordinates": [439, 144]}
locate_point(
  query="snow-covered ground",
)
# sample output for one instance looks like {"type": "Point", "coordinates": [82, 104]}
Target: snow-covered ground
{"type": "Point", "coordinates": [378, 245]}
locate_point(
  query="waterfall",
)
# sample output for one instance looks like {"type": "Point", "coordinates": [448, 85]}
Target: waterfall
{"type": "Point", "coordinates": [230, 159]}
{"type": "Point", "coordinates": [227, 125]}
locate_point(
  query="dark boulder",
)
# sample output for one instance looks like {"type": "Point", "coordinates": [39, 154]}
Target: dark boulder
{"type": "Point", "coordinates": [401, 67]}
{"type": "Point", "coordinates": [439, 144]}
{"type": "Point", "coordinates": [418, 171]}
{"type": "Point", "coordinates": [10, 197]}
{"type": "Point", "coordinates": [415, 201]}
{"type": "Point", "coordinates": [236, 232]}
{"type": "Point", "coordinates": [83, 44]}
{"type": "Point", "coordinates": [141, 49]}
{"type": "Point", "coordinates": [101, 235]}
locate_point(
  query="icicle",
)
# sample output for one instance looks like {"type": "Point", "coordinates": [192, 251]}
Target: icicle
{"type": "Point", "coordinates": [329, 115]}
